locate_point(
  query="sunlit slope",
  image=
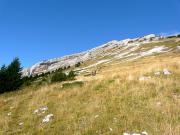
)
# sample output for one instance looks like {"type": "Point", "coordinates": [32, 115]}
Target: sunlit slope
{"type": "Point", "coordinates": [113, 101]}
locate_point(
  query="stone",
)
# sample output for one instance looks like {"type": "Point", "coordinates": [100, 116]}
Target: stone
{"type": "Point", "coordinates": [45, 108]}
{"type": "Point", "coordinates": [41, 110]}
{"type": "Point", "coordinates": [144, 78]}
{"type": "Point", "coordinates": [11, 107]}
{"type": "Point", "coordinates": [126, 134]}
{"type": "Point", "coordinates": [157, 73]}
{"type": "Point", "coordinates": [144, 133]}
{"type": "Point", "coordinates": [47, 118]}
{"type": "Point", "coordinates": [36, 111]}
{"type": "Point", "coordinates": [166, 72]}
{"type": "Point", "coordinates": [21, 123]}
{"type": "Point", "coordinates": [110, 129]}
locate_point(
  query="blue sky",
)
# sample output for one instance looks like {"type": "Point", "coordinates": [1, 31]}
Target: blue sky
{"type": "Point", "coordinates": [35, 30]}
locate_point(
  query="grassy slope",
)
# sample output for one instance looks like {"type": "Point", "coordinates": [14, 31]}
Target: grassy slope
{"type": "Point", "coordinates": [121, 101]}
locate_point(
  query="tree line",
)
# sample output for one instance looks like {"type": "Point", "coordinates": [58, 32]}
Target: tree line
{"type": "Point", "coordinates": [11, 76]}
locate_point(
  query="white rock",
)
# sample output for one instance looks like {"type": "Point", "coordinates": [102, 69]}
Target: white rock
{"type": "Point", "coordinates": [47, 118]}
{"type": "Point", "coordinates": [150, 36]}
{"type": "Point", "coordinates": [157, 73]}
{"type": "Point", "coordinates": [126, 134]}
{"type": "Point", "coordinates": [50, 115]}
{"type": "Point", "coordinates": [21, 123]}
{"type": "Point", "coordinates": [36, 111]}
{"type": "Point", "coordinates": [94, 65]}
{"type": "Point", "coordinates": [96, 116]}
{"type": "Point", "coordinates": [11, 107]}
{"type": "Point", "coordinates": [110, 129]}
{"type": "Point", "coordinates": [166, 72]}
{"type": "Point", "coordinates": [126, 41]}
{"type": "Point", "coordinates": [135, 134]}
{"type": "Point", "coordinates": [41, 110]}
{"type": "Point", "coordinates": [157, 49]}
{"type": "Point", "coordinates": [147, 37]}
{"type": "Point", "coordinates": [144, 78]}
{"type": "Point", "coordinates": [45, 108]}
{"type": "Point", "coordinates": [144, 133]}
{"type": "Point", "coordinates": [9, 114]}
{"type": "Point", "coordinates": [178, 47]}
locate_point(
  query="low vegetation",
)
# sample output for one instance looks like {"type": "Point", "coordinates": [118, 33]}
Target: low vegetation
{"type": "Point", "coordinates": [113, 102]}
{"type": "Point", "coordinates": [78, 64]}
{"type": "Point", "coordinates": [60, 76]}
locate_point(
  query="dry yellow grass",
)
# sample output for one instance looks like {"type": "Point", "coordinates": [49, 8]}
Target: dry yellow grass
{"type": "Point", "coordinates": [112, 102]}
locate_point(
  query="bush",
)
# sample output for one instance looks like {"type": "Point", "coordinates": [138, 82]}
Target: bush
{"type": "Point", "coordinates": [59, 77]}
{"type": "Point", "coordinates": [71, 75]}
{"type": "Point", "coordinates": [78, 64]}
{"type": "Point", "coordinates": [27, 81]}
{"type": "Point", "coordinates": [10, 76]}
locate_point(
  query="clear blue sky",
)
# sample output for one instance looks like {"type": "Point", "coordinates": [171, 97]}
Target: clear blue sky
{"type": "Point", "coordinates": [36, 30]}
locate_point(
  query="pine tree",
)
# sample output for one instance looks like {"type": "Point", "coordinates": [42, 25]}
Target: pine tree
{"type": "Point", "coordinates": [14, 72]}
{"type": "Point", "coordinates": [10, 76]}
{"type": "Point", "coordinates": [3, 78]}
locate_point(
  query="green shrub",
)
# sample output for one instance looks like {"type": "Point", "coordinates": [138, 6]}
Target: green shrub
{"type": "Point", "coordinates": [59, 77]}
{"type": "Point", "coordinates": [71, 75]}
{"type": "Point", "coordinates": [27, 81]}
{"type": "Point", "coordinates": [78, 64]}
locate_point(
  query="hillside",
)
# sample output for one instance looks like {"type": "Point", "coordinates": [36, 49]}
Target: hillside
{"type": "Point", "coordinates": [122, 87]}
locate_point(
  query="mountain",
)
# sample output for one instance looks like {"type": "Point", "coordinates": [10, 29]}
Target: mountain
{"type": "Point", "coordinates": [128, 87]}
{"type": "Point", "coordinates": [125, 50]}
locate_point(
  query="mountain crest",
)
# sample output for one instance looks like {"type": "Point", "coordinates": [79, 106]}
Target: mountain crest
{"type": "Point", "coordinates": [128, 49]}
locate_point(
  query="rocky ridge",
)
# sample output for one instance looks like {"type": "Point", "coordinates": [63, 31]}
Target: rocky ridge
{"type": "Point", "coordinates": [121, 50]}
